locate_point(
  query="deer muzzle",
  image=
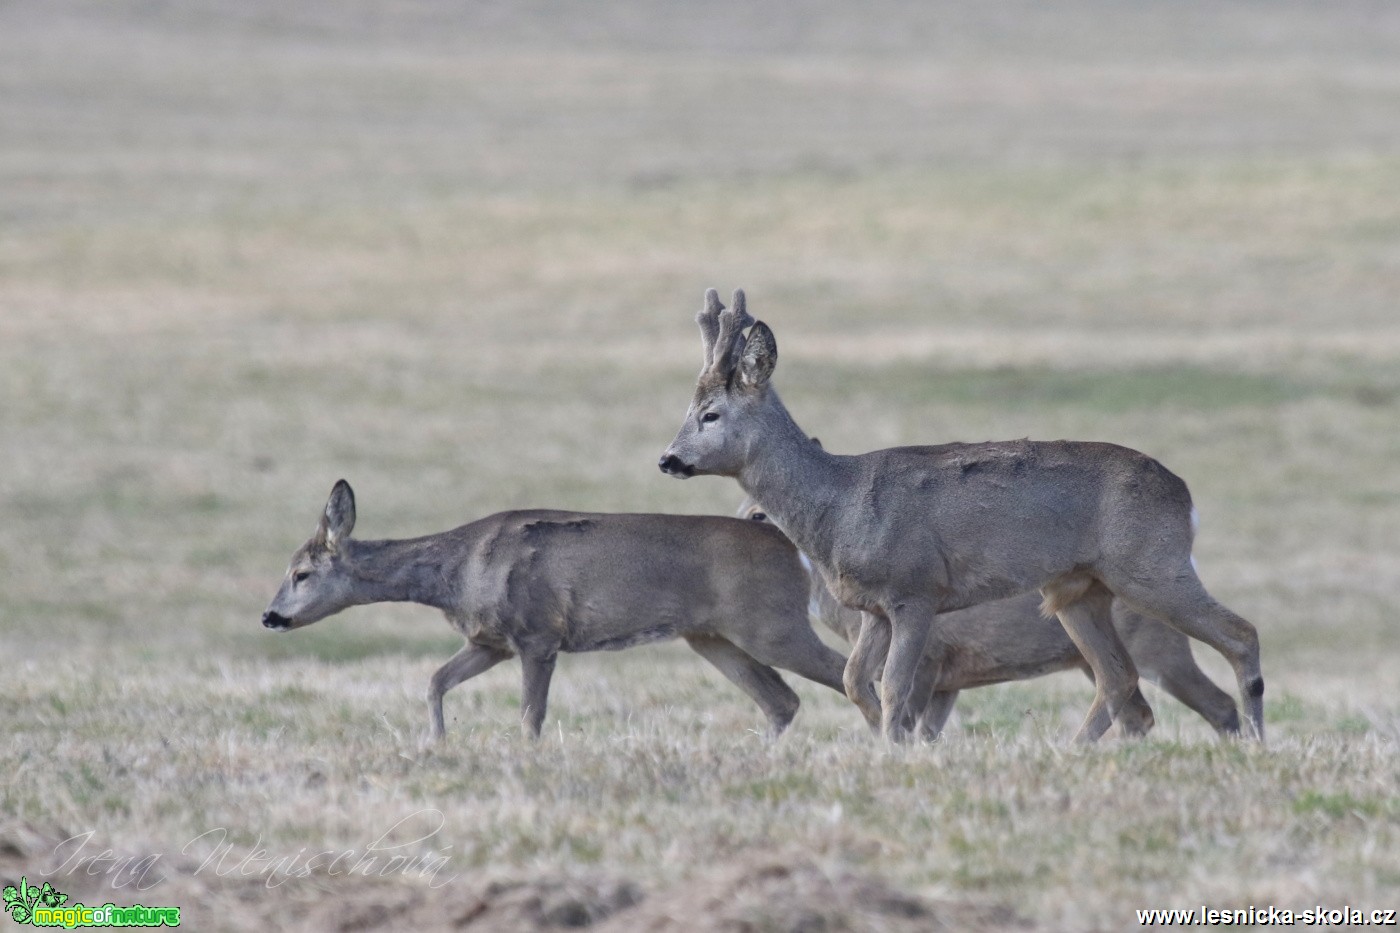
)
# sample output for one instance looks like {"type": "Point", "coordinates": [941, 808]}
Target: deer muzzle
{"type": "Point", "coordinates": [276, 622]}
{"type": "Point", "coordinates": [672, 465]}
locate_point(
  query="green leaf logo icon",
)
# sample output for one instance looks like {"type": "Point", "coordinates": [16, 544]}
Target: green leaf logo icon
{"type": "Point", "coordinates": [21, 901]}
{"type": "Point", "coordinates": [50, 897]}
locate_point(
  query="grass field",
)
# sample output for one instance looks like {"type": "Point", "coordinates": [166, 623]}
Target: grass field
{"type": "Point", "coordinates": [453, 256]}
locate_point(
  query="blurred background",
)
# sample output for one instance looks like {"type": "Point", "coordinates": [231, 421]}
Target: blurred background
{"type": "Point", "coordinates": [452, 253]}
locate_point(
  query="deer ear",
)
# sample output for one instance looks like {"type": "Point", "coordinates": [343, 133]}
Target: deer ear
{"type": "Point", "coordinates": [339, 518]}
{"type": "Point", "coordinates": [759, 357]}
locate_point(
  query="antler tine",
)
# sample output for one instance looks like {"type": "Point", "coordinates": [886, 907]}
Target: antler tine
{"type": "Point", "coordinates": [730, 342]}
{"type": "Point", "coordinates": [708, 319]}
{"type": "Point", "coordinates": [740, 311]}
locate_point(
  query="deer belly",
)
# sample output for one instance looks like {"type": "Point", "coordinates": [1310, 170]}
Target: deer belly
{"type": "Point", "coordinates": [621, 627]}
{"type": "Point", "coordinates": [1005, 640]}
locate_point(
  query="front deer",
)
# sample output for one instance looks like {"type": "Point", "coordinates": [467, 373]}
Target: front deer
{"type": "Point", "coordinates": [1010, 639]}
{"type": "Point", "coordinates": [534, 583]}
{"type": "Point", "coordinates": [906, 533]}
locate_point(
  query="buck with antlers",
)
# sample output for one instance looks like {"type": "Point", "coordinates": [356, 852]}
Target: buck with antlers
{"type": "Point", "coordinates": [906, 533]}
{"type": "Point", "coordinates": [536, 583]}
{"type": "Point", "coordinates": [1010, 639]}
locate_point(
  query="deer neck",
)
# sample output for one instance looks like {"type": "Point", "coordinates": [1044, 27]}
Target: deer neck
{"type": "Point", "coordinates": [799, 485]}
{"type": "Point", "coordinates": [409, 570]}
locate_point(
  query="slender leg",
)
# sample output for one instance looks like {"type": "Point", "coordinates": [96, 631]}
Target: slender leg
{"type": "Point", "coordinates": [1163, 656]}
{"type": "Point", "coordinates": [763, 684]}
{"type": "Point", "coordinates": [936, 712]}
{"type": "Point", "coordinates": [910, 626]}
{"type": "Point", "coordinates": [931, 705]}
{"type": "Point", "coordinates": [792, 646]}
{"type": "Point", "coordinates": [1198, 692]}
{"type": "Point", "coordinates": [1089, 623]}
{"type": "Point", "coordinates": [1183, 603]}
{"type": "Point", "coordinates": [1098, 721]}
{"type": "Point", "coordinates": [864, 665]}
{"type": "Point", "coordinates": [534, 697]}
{"type": "Point", "coordinates": [462, 666]}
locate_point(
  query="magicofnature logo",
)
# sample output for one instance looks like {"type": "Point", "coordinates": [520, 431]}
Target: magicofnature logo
{"type": "Point", "coordinates": [43, 907]}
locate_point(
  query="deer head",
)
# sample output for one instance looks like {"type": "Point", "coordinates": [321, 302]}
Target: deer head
{"type": "Point", "coordinates": [317, 583]}
{"type": "Point", "coordinates": [720, 427]}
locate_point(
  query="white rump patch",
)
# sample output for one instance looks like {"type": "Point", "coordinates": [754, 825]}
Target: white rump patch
{"type": "Point", "coordinates": [814, 580]}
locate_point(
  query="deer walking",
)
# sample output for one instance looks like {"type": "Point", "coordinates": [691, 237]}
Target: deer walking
{"type": "Point", "coordinates": [536, 583]}
{"type": "Point", "coordinates": [907, 533]}
{"type": "Point", "coordinates": [1010, 639]}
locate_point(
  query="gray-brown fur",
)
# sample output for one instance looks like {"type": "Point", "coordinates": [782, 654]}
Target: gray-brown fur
{"type": "Point", "coordinates": [532, 584]}
{"type": "Point", "coordinates": [1010, 639]}
{"type": "Point", "coordinates": [906, 533]}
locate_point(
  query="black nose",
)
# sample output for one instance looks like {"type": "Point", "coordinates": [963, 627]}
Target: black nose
{"type": "Point", "coordinates": [670, 463]}
{"type": "Point", "coordinates": [276, 622]}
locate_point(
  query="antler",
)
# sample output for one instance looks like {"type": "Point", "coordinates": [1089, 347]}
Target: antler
{"type": "Point", "coordinates": [732, 323]}
{"type": "Point", "coordinates": [722, 331]}
{"type": "Point", "coordinates": [708, 319]}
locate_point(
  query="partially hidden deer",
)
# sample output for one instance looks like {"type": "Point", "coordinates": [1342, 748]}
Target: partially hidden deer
{"type": "Point", "coordinates": [532, 584]}
{"type": "Point", "coordinates": [1011, 639]}
{"type": "Point", "coordinates": [907, 533]}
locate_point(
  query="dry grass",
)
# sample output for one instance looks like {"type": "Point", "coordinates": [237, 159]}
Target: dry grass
{"type": "Point", "coordinates": [246, 249]}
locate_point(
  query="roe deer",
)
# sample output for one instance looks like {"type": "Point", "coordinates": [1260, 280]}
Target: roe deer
{"type": "Point", "coordinates": [906, 533]}
{"type": "Point", "coordinates": [1010, 639]}
{"type": "Point", "coordinates": [535, 583]}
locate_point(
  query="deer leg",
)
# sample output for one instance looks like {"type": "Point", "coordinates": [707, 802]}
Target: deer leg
{"type": "Point", "coordinates": [1198, 692]}
{"type": "Point", "coordinates": [1163, 656]}
{"type": "Point", "coordinates": [1183, 603]}
{"type": "Point", "coordinates": [759, 681]}
{"type": "Point", "coordinates": [794, 647]}
{"type": "Point", "coordinates": [1098, 720]}
{"type": "Point", "coordinates": [462, 666]}
{"type": "Point", "coordinates": [910, 626]}
{"type": "Point", "coordinates": [936, 712]}
{"type": "Point", "coordinates": [535, 695]}
{"type": "Point", "coordinates": [930, 705]}
{"type": "Point", "coordinates": [864, 665]}
{"type": "Point", "coordinates": [1088, 621]}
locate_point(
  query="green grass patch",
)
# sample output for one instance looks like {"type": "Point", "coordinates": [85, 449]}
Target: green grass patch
{"type": "Point", "coordinates": [1339, 805]}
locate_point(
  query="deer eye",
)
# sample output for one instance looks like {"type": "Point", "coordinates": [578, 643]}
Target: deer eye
{"type": "Point", "coordinates": [300, 576]}
{"type": "Point", "coordinates": [759, 517]}
{"type": "Point", "coordinates": [709, 416]}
